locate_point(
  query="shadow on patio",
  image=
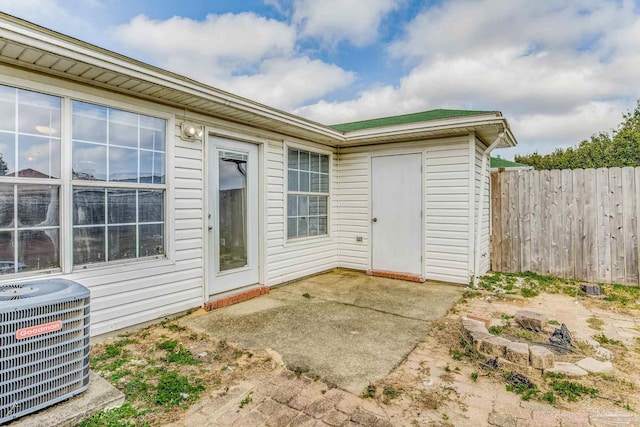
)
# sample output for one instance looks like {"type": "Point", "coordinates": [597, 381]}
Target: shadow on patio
{"type": "Point", "coordinates": [345, 327]}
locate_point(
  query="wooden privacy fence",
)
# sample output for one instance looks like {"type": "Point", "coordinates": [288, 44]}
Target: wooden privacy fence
{"type": "Point", "coordinates": [580, 224]}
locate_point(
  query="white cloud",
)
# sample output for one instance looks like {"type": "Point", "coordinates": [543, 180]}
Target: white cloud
{"type": "Point", "coordinates": [332, 21]}
{"type": "Point", "coordinates": [560, 71]}
{"type": "Point", "coordinates": [242, 53]}
{"type": "Point", "coordinates": [286, 83]}
{"type": "Point", "coordinates": [230, 42]}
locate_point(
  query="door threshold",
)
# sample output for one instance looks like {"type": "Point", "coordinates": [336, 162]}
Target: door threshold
{"type": "Point", "coordinates": [394, 275]}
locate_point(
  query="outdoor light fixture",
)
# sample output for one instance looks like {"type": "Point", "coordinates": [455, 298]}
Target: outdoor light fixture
{"type": "Point", "coordinates": [191, 132]}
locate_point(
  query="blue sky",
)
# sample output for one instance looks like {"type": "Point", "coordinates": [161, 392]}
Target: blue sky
{"type": "Point", "coordinates": [560, 70]}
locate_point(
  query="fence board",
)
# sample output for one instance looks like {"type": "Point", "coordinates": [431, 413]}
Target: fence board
{"type": "Point", "coordinates": [590, 225]}
{"type": "Point", "coordinates": [534, 204]}
{"type": "Point", "coordinates": [629, 226]}
{"type": "Point", "coordinates": [616, 225]}
{"type": "Point", "coordinates": [581, 224]}
{"type": "Point", "coordinates": [576, 213]}
{"type": "Point", "coordinates": [496, 224]}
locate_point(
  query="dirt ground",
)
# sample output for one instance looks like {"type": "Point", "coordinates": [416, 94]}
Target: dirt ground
{"type": "Point", "coordinates": [439, 383]}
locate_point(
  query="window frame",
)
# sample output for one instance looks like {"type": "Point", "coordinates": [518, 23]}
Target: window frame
{"type": "Point", "coordinates": [314, 150]}
{"type": "Point", "coordinates": [50, 86]}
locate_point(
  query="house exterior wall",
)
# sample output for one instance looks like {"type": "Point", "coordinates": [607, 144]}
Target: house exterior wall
{"type": "Point", "coordinates": [485, 261]}
{"type": "Point", "coordinates": [446, 206]}
{"type": "Point", "coordinates": [292, 259]}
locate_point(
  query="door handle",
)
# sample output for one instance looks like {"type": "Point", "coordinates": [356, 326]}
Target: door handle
{"type": "Point", "coordinates": [374, 219]}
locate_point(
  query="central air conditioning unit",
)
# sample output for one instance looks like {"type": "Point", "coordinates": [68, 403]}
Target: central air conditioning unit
{"type": "Point", "coordinates": [44, 345]}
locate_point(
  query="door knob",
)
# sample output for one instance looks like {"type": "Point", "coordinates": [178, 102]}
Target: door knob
{"type": "Point", "coordinates": [374, 219]}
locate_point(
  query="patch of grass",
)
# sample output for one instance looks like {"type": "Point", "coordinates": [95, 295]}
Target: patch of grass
{"type": "Point", "coordinates": [244, 402]}
{"type": "Point", "coordinates": [524, 334]}
{"type": "Point", "coordinates": [595, 323]}
{"type": "Point", "coordinates": [474, 376]}
{"type": "Point", "coordinates": [369, 392]}
{"type": "Point", "coordinates": [495, 330]}
{"type": "Point", "coordinates": [529, 292]}
{"type": "Point", "coordinates": [447, 368]}
{"type": "Point", "coordinates": [549, 397]}
{"type": "Point", "coordinates": [571, 390]}
{"type": "Point", "coordinates": [457, 354]}
{"type": "Point", "coordinates": [124, 416]}
{"type": "Point", "coordinates": [174, 389]}
{"type": "Point", "coordinates": [391, 393]}
{"type": "Point", "coordinates": [603, 339]}
{"type": "Point", "coordinates": [182, 357]}
{"type": "Point", "coordinates": [554, 322]}
{"type": "Point", "coordinates": [525, 392]}
{"type": "Point", "coordinates": [168, 345]}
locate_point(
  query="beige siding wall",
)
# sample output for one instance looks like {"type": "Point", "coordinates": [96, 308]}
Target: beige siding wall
{"type": "Point", "coordinates": [447, 210]}
{"type": "Point", "coordinates": [128, 294]}
{"type": "Point", "coordinates": [486, 213]}
{"type": "Point", "coordinates": [446, 214]}
{"type": "Point", "coordinates": [289, 260]}
{"type": "Point", "coordinates": [353, 210]}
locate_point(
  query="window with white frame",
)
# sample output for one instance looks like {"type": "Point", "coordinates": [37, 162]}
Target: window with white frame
{"type": "Point", "coordinates": [117, 183]}
{"type": "Point", "coordinates": [29, 180]}
{"type": "Point", "coordinates": [307, 193]}
{"type": "Point", "coordinates": [118, 176]}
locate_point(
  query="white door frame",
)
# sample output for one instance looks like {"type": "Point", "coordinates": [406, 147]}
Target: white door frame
{"type": "Point", "coordinates": [397, 152]}
{"type": "Point", "coordinates": [209, 271]}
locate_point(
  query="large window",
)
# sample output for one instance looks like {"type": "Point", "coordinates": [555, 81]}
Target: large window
{"type": "Point", "coordinates": [308, 193]}
{"type": "Point", "coordinates": [117, 183]}
{"type": "Point", "coordinates": [29, 180]}
{"type": "Point", "coordinates": [122, 216]}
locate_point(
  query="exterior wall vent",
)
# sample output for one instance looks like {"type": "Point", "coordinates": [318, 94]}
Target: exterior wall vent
{"type": "Point", "coordinates": [44, 345]}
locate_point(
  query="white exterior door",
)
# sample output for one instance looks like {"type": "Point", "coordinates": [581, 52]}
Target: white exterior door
{"type": "Point", "coordinates": [396, 207]}
{"type": "Point", "coordinates": [233, 215]}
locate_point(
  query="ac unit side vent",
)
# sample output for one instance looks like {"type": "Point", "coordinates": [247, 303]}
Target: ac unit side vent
{"type": "Point", "coordinates": [44, 345]}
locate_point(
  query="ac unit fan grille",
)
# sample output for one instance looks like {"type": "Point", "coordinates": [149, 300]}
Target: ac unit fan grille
{"type": "Point", "coordinates": [40, 370]}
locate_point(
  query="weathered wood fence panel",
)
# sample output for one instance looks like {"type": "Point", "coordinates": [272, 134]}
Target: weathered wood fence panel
{"type": "Point", "coordinates": [581, 224]}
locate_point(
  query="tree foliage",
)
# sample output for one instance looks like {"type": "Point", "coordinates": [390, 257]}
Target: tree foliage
{"type": "Point", "coordinates": [603, 150]}
{"type": "Point", "coordinates": [3, 166]}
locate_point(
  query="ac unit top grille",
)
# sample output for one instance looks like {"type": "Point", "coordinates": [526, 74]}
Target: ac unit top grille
{"type": "Point", "coordinates": [16, 291]}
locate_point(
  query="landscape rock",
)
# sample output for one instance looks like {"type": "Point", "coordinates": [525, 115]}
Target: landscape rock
{"type": "Point", "coordinates": [604, 354]}
{"type": "Point", "coordinates": [541, 357]}
{"type": "Point", "coordinates": [477, 338]}
{"type": "Point", "coordinates": [480, 318]}
{"type": "Point", "coordinates": [531, 320]}
{"type": "Point", "coordinates": [595, 366]}
{"type": "Point", "coordinates": [494, 346]}
{"type": "Point", "coordinates": [568, 369]}
{"type": "Point", "coordinates": [591, 290]}
{"type": "Point", "coordinates": [471, 325]}
{"type": "Point", "coordinates": [518, 353]}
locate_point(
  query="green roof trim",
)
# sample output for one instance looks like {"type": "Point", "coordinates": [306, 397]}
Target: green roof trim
{"type": "Point", "coordinates": [497, 162]}
{"type": "Point", "coordinates": [424, 116]}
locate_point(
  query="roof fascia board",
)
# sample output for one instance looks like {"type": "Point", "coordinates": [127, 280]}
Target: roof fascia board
{"type": "Point", "coordinates": [365, 135]}
{"type": "Point", "coordinates": [75, 50]}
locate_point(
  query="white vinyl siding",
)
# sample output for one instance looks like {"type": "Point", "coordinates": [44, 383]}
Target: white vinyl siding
{"type": "Point", "coordinates": [297, 258]}
{"type": "Point", "coordinates": [353, 210]}
{"type": "Point", "coordinates": [486, 214]}
{"type": "Point", "coordinates": [447, 214]}
{"type": "Point", "coordinates": [126, 295]}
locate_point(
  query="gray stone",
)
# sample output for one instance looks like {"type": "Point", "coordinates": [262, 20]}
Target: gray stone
{"type": "Point", "coordinates": [568, 369]}
{"type": "Point", "coordinates": [518, 353]}
{"type": "Point", "coordinates": [531, 320]}
{"type": "Point", "coordinates": [604, 354]}
{"type": "Point", "coordinates": [471, 325]}
{"type": "Point", "coordinates": [541, 357]}
{"type": "Point", "coordinates": [477, 338]}
{"type": "Point", "coordinates": [501, 420]}
{"type": "Point", "coordinates": [594, 366]}
{"type": "Point", "coordinates": [591, 290]}
{"type": "Point", "coordinates": [494, 346]}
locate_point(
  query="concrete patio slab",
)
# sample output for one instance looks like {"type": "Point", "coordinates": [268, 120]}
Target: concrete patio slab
{"type": "Point", "coordinates": [100, 395]}
{"type": "Point", "coordinates": [345, 327]}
